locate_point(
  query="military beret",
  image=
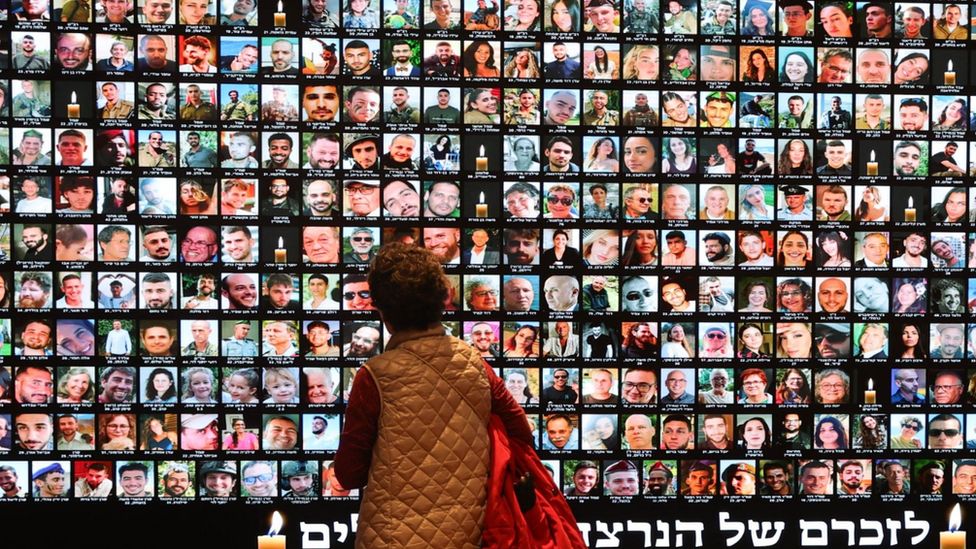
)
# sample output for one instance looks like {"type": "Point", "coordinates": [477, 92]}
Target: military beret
{"type": "Point", "coordinates": [52, 468]}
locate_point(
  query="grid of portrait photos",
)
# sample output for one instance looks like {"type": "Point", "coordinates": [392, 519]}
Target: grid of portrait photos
{"type": "Point", "coordinates": [715, 248]}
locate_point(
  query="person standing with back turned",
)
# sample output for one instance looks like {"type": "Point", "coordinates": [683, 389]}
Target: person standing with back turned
{"type": "Point", "coordinates": [416, 432]}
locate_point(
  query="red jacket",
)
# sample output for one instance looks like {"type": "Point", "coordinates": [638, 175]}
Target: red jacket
{"type": "Point", "coordinates": [550, 524]}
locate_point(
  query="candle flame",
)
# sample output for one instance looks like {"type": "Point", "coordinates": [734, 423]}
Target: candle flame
{"type": "Point", "coordinates": [276, 523]}
{"type": "Point", "coordinates": [74, 98]}
{"type": "Point", "coordinates": [281, 242]}
{"type": "Point", "coordinates": [870, 384]}
{"type": "Point", "coordinates": [872, 155]}
{"type": "Point", "coordinates": [482, 198]}
{"type": "Point", "coordinates": [949, 66]}
{"type": "Point", "coordinates": [482, 153]}
{"type": "Point", "coordinates": [280, 8]}
{"type": "Point", "coordinates": [911, 202]}
{"type": "Point", "coordinates": [955, 518]}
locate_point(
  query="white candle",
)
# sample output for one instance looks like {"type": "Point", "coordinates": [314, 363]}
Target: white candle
{"type": "Point", "coordinates": [870, 396]}
{"type": "Point", "coordinates": [273, 540]}
{"type": "Point", "coordinates": [953, 539]}
{"type": "Point", "coordinates": [481, 209]}
{"type": "Point", "coordinates": [74, 109]}
{"type": "Point", "coordinates": [481, 162]}
{"type": "Point", "coordinates": [279, 16]}
{"type": "Point", "coordinates": [280, 253]}
{"type": "Point", "coordinates": [872, 165]}
{"type": "Point", "coordinates": [950, 75]}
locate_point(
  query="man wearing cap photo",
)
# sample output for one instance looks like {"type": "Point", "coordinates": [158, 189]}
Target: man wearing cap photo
{"type": "Point", "coordinates": [199, 432]}
{"type": "Point", "coordinates": [620, 479]}
{"type": "Point", "coordinates": [362, 197]}
{"type": "Point", "coordinates": [49, 482]}
{"type": "Point", "coordinates": [717, 63]}
{"type": "Point", "coordinates": [29, 153]}
{"type": "Point", "coordinates": [931, 477]}
{"type": "Point", "coordinates": [301, 477]}
{"type": "Point", "coordinates": [796, 208]}
{"type": "Point", "coordinates": [279, 109]}
{"type": "Point", "coordinates": [951, 341]}
{"type": "Point", "coordinates": [112, 149]}
{"type": "Point", "coordinates": [235, 109]}
{"type": "Point", "coordinates": [362, 150]}
{"type": "Point", "coordinates": [700, 479]}
{"type": "Point", "coordinates": [218, 479]}
{"type": "Point", "coordinates": [739, 479]}
{"type": "Point", "coordinates": [719, 110]}
{"type": "Point", "coordinates": [833, 340]}
{"type": "Point", "coordinates": [658, 481]}
{"type": "Point", "coordinates": [796, 16]}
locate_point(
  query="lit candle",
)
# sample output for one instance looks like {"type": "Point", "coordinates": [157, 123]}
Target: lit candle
{"type": "Point", "coordinates": [481, 209]}
{"type": "Point", "coordinates": [481, 163]}
{"type": "Point", "coordinates": [950, 75]}
{"type": "Point", "coordinates": [273, 540]}
{"type": "Point", "coordinates": [870, 397]}
{"type": "Point", "coordinates": [953, 539]}
{"type": "Point", "coordinates": [910, 210]}
{"type": "Point", "coordinates": [279, 16]}
{"type": "Point", "coordinates": [281, 254]}
{"type": "Point", "coordinates": [872, 165]}
{"type": "Point", "coordinates": [74, 109]}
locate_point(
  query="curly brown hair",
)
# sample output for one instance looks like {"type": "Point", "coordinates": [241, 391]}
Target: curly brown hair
{"type": "Point", "coordinates": [408, 286]}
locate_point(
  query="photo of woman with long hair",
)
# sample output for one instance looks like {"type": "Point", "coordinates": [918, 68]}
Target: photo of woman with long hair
{"type": "Point", "coordinates": [524, 343]}
{"type": "Point", "coordinates": [758, 68]}
{"type": "Point", "coordinates": [833, 250]}
{"type": "Point", "coordinates": [522, 64]}
{"type": "Point", "coordinates": [752, 341]}
{"type": "Point", "coordinates": [478, 60]}
{"type": "Point", "coordinates": [795, 159]}
{"type": "Point", "coordinates": [194, 200]}
{"type": "Point", "coordinates": [871, 433]}
{"type": "Point", "coordinates": [602, 157]}
{"type": "Point", "coordinates": [602, 67]}
{"type": "Point", "coordinates": [830, 434]}
{"type": "Point", "coordinates": [752, 205]}
{"type": "Point", "coordinates": [641, 248]}
{"type": "Point", "coordinates": [642, 62]}
{"type": "Point", "coordinates": [564, 16]}
{"type": "Point", "coordinates": [910, 295]}
{"type": "Point", "coordinates": [794, 387]}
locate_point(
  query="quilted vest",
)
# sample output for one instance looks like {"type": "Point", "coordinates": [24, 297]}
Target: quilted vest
{"type": "Point", "coordinates": [428, 478]}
